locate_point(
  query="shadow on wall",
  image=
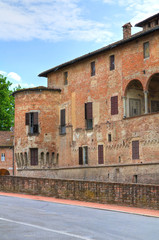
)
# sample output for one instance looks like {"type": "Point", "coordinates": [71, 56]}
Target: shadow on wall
{"type": "Point", "coordinates": [4, 172]}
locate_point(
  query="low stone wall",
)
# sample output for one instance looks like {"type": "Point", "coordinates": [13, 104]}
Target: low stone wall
{"type": "Point", "coordinates": [137, 195]}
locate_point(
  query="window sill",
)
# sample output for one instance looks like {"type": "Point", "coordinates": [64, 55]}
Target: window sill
{"type": "Point", "coordinates": [62, 134]}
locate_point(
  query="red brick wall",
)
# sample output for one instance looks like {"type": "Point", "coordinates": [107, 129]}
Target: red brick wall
{"type": "Point", "coordinates": [136, 195]}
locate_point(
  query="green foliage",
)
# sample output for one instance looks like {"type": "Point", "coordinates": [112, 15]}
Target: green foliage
{"type": "Point", "coordinates": [6, 104]}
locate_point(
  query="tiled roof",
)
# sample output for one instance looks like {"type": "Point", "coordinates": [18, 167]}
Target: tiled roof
{"type": "Point", "coordinates": [101, 50]}
{"type": "Point", "coordinates": [6, 139]}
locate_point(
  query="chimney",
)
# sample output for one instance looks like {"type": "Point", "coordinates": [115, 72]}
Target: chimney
{"type": "Point", "coordinates": [127, 30]}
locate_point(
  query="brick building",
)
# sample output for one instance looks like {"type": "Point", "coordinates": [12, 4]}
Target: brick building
{"type": "Point", "coordinates": [98, 117]}
{"type": "Point", "coordinates": [7, 166]}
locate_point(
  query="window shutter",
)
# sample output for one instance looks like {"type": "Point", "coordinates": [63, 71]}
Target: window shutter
{"type": "Point", "coordinates": [114, 105]}
{"type": "Point", "coordinates": [112, 62]}
{"type": "Point", "coordinates": [100, 154]}
{"type": "Point", "coordinates": [88, 110]}
{"type": "Point", "coordinates": [35, 118]}
{"type": "Point", "coordinates": [34, 156]}
{"type": "Point", "coordinates": [135, 149]}
{"type": "Point", "coordinates": [92, 68]}
{"type": "Point", "coordinates": [27, 119]}
{"type": "Point", "coordinates": [86, 152]}
{"type": "Point", "coordinates": [80, 156]}
{"type": "Point", "coordinates": [63, 117]}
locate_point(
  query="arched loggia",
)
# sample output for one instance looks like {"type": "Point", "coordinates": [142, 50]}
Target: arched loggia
{"type": "Point", "coordinates": [134, 99]}
{"type": "Point", "coordinates": [153, 93]}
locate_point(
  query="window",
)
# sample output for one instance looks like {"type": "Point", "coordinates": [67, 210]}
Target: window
{"type": "Point", "coordinates": [109, 137]}
{"type": "Point", "coordinates": [33, 156]}
{"type": "Point", "coordinates": [149, 25]}
{"type": "Point", "coordinates": [83, 155]}
{"type": "Point", "coordinates": [92, 68]}
{"type": "Point", "coordinates": [62, 122]}
{"type": "Point", "coordinates": [2, 157]}
{"type": "Point", "coordinates": [134, 107]}
{"type": "Point", "coordinates": [134, 178]}
{"type": "Point", "coordinates": [65, 78]}
{"type": "Point", "coordinates": [154, 106]}
{"type": "Point", "coordinates": [146, 50]}
{"type": "Point", "coordinates": [100, 154]}
{"type": "Point", "coordinates": [112, 62]}
{"type": "Point", "coordinates": [114, 105]}
{"type": "Point", "coordinates": [156, 22]}
{"type": "Point", "coordinates": [31, 119]}
{"type": "Point", "coordinates": [89, 115]}
{"type": "Point", "coordinates": [135, 149]}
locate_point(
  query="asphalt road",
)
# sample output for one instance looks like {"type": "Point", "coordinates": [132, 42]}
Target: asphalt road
{"type": "Point", "coordinates": [24, 219]}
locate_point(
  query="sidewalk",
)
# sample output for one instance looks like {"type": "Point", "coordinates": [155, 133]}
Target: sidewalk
{"type": "Point", "coordinates": [108, 207]}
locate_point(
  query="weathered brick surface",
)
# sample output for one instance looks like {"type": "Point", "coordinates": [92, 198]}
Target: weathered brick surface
{"type": "Point", "coordinates": [130, 65]}
{"type": "Point", "coordinates": [137, 195]}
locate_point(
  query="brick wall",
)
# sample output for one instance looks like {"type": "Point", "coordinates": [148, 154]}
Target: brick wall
{"type": "Point", "coordinates": [137, 195]}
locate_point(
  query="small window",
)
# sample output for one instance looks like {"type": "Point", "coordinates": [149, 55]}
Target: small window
{"type": "Point", "coordinates": [33, 156]}
{"type": "Point", "coordinates": [57, 158]}
{"type": "Point", "coordinates": [149, 25]}
{"type": "Point", "coordinates": [83, 155]}
{"type": "Point", "coordinates": [31, 119]}
{"type": "Point", "coordinates": [114, 105]}
{"type": "Point", "coordinates": [2, 157]}
{"type": "Point", "coordinates": [53, 157]}
{"type": "Point", "coordinates": [156, 22]}
{"type": "Point", "coordinates": [89, 115]}
{"type": "Point", "coordinates": [100, 154]}
{"type": "Point", "coordinates": [134, 178]}
{"type": "Point", "coordinates": [92, 68]}
{"type": "Point", "coordinates": [62, 122]}
{"type": "Point", "coordinates": [146, 50]}
{"type": "Point", "coordinates": [65, 78]}
{"type": "Point", "coordinates": [135, 150]}
{"type": "Point", "coordinates": [112, 62]}
{"type": "Point", "coordinates": [109, 137]}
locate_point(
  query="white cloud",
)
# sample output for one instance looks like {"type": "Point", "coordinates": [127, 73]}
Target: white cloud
{"type": "Point", "coordinates": [48, 20]}
{"type": "Point", "coordinates": [14, 76]}
{"type": "Point", "coordinates": [16, 80]}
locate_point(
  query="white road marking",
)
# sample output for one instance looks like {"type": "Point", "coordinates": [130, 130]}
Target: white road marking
{"type": "Point", "coordinates": [46, 229]}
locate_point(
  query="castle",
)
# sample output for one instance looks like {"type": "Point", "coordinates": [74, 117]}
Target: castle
{"type": "Point", "coordinates": [98, 118]}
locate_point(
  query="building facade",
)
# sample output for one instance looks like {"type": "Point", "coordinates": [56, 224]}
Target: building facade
{"type": "Point", "coordinates": [7, 165]}
{"type": "Point", "coordinates": [98, 117]}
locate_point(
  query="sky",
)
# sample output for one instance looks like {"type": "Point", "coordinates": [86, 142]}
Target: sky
{"type": "Point", "coordinates": [36, 35]}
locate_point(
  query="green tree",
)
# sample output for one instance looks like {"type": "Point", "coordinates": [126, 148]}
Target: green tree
{"type": "Point", "coordinates": [6, 104]}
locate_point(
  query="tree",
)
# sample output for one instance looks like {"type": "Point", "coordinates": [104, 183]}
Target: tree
{"type": "Point", "coordinates": [6, 104]}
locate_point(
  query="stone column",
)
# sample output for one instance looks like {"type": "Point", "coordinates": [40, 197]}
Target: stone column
{"type": "Point", "coordinates": [124, 106]}
{"type": "Point", "coordinates": [146, 101]}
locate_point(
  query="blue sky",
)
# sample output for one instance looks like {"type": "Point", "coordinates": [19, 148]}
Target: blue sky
{"type": "Point", "coordinates": [39, 34]}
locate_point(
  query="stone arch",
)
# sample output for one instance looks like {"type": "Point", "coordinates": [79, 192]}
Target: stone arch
{"type": "Point", "coordinates": [134, 98]}
{"type": "Point", "coordinates": [153, 93]}
{"type": "Point", "coordinates": [4, 172]}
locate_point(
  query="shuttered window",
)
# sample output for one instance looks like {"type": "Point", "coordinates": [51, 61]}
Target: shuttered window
{"type": "Point", "coordinates": [135, 149]}
{"type": "Point", "coordinates": [80, 156]}
{"type": "Point", "coordinates": [65, 78]}
{"type": "Point", "coordinates": [114, 105]}
{"type": "Point", "coordinates": [83, 155]}
{"type": "Point", "coordinates": [146, 50]}
{"type": "Point", "coordinates": [100, 154]}
{"type": "Point", "coordinates": [31, 119]}
{"type": "Point", "coordinates": [62, 122]}
{"type": "Point", "coordinates": [33, 156]}
{"type": "Point", "coordinates": [89, 115]}
{"type": "Point", "coordinates": [92, 68]}
{"type": "Point", "coordinates": [112, 62]}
